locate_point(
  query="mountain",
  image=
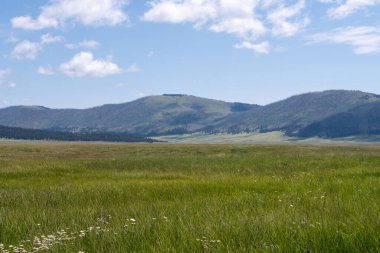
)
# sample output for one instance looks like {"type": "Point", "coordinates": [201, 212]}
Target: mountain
{"type": "Point", "coordinates": [362, 120]}
{"type": "Point", "coordinates": [166, 114]}
{"type": "Point", "coordinates": [294, 113]}
{"type": "Point", "coordinates": [328, 113]}
{"type": "Point", "coordinates": [35, 134]}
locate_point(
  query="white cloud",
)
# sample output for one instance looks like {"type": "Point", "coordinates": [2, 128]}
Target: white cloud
{"type": "Point", "coordinates": [230, 16]}
{"type": "Point", "coordinates": [26, 50]}
{"type": "Point", "coordinates": [27, 23]}
{"type": "Point", "coordinates": [238, 17]}
{"type": "Point", "coordinates": [245, 28]}
{"type": "Point", "coordinates": [172, 11]}
{"type": "Point", "coordinates": [246, 19]}
{"type": "Point", "coordinates": [364, 39]}
{"type": "Point", "coordinates": [266, 4]}
{"type": "Point", "coordinates": [133, 68]}
{"type": "Point", "coordinates": [85, 12]}
{"type": "Point", "coordinates": [48, 38]}
{"type": "Point", "coordinates": [46, 71]}
{"type": "Point", "coordinates": [89, 44]}
{"type": "Point", "coordinates": [84, 64]}
{"type": "Point", "coordinates": [262, 48]}
{"type": "Point", "coordinates": [348, 7]}
{"type": "Point", "coordinates": [286, 20]}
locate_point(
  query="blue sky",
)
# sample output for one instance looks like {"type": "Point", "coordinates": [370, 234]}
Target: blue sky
{"type": "Point", "coordinates": [79, 54]}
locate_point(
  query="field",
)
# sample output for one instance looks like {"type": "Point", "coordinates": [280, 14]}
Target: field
{"type": "Point", "coordinates": [61, 197]}
{"type": "Point", "coordinates": [271, 138]}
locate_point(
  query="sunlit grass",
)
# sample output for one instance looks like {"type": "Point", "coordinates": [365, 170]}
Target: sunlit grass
{"type": "Point", "coordinates": [189, 198]}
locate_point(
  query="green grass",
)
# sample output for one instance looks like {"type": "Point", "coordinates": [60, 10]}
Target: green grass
{"type": "Point", "coordinates": [275, 137]}
{"type": "Point", "coordinates": [269, 138]}
{"type": "Point", "coordinates": [185, 198]}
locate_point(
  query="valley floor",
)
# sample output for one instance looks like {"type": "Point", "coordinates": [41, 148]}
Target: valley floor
{"type": "Point", "coordinates": [276, 137]}
{"type": "Point", "coordinates": [77, 197]}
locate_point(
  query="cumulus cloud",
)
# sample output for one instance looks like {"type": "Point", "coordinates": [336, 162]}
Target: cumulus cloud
{"type": "Point", "coordinates": [47, 71]}
{"type": "Point", "coordinates": [287, 21]}
{"type": "Point", "coordinates": [27, 23]}
{"type": "Point", "coordinates": [48, 38]}
{"type": "Point", "coordinates": [85, 12]}
{"type": "Point", "coordinates": [247, 19]}
{"type": "Point", "coordinates": [238, 18]}
{"type": "Point", "coordinates": [84, 64]}
{"type": "Point", "coordinates": [195, 11]}
{"type": "Point", "coordinates": [348, 7]}
{"type": "Point", "coordinates": [364, 39]}
{"type": "Point", "coordinates": [262, 48]}
{"type": "Point", "coordinates": [89, 44]}
{"type": "Point", "coordinates": [230, 16]}
{"type": "Point", "coordinates": [27, 50]}
{"type": "Point", "coordinates": [245, 28]}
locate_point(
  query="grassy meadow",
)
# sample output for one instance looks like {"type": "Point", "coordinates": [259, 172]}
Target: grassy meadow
{"type": "Point", "coordinates": [75, 197]}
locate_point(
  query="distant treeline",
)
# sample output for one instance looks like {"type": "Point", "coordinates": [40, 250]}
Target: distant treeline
{"type": "Point", "coordinates": [34, 134]}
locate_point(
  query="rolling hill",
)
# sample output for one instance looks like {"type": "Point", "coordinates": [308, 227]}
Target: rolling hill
{"type": "Point", "coordinates": [313, 114]}
{"type": "Point", "coordinates": [294, 113]}
{"type": "Point", "coordinates": [362, 120]}
{"type": "Point", "coordinates": [166, 114]}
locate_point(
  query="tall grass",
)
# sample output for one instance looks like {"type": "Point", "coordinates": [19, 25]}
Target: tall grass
{"type": "Point", "coordinates": [189, 198]}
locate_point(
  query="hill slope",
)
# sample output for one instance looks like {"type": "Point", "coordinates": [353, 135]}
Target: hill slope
{"type": "Point", "coordinates": [178, 114]}
{"type": "Point", "coordinates": [362, 120]}
{"type": "Point", "coordinates": [296, 112]}
{"type": "Point", "coordinates": [153, 115]}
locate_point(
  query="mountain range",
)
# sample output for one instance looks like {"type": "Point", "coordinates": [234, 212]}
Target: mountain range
{"type": "Point", "coordinates": [334, 113]}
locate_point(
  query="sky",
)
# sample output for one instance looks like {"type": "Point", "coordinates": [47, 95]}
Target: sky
{"type": "Point", "coordinates": [85, 53]}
